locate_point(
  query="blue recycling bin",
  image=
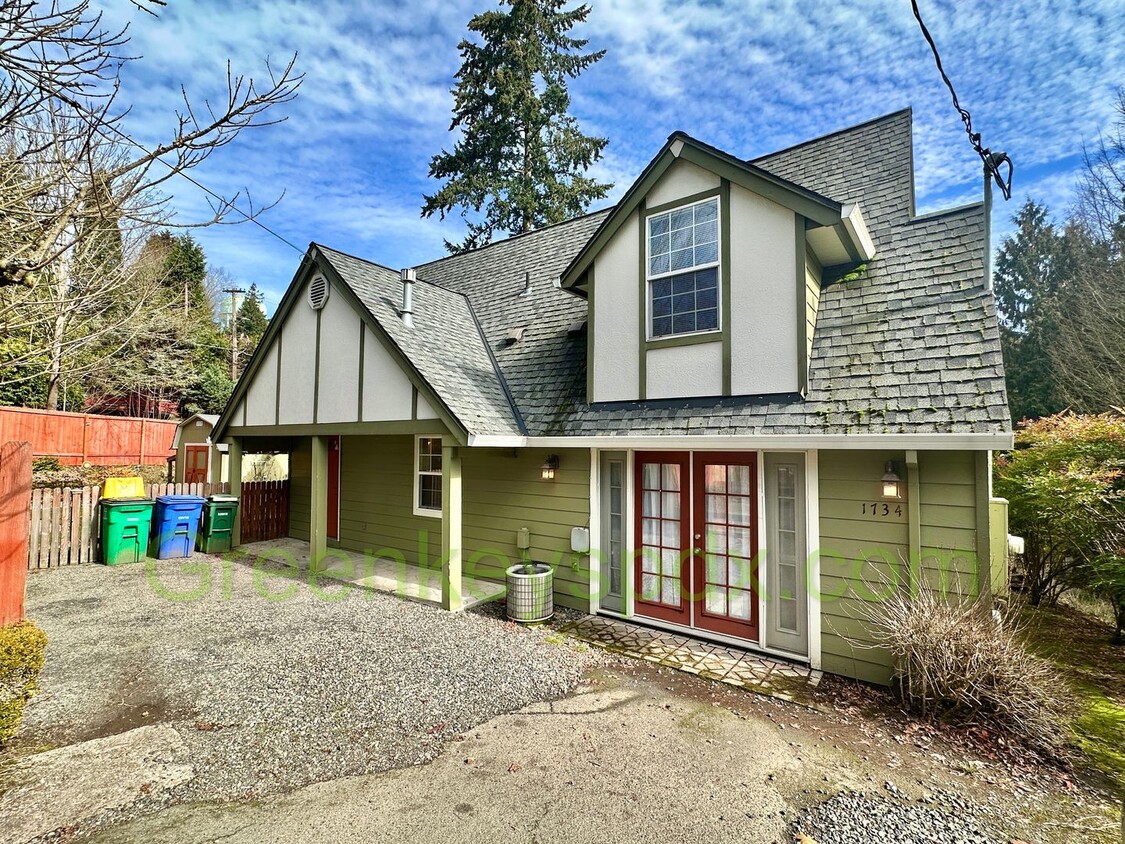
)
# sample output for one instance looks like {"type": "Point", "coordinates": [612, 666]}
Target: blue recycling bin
{"type": "Point", "coordinates": [175, 525]}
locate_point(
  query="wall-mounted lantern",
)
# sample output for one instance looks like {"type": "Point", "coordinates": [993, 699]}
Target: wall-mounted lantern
{"type": "Point", "coordinates": [892, 483]}
{"type": "Point", "coordinates": [549, 466]}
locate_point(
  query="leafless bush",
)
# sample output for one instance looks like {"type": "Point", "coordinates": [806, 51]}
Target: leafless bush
{"type": "Point", "coordinates": [963, 663]}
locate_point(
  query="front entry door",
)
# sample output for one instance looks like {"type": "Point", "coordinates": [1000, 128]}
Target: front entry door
{"type": "Point", "coordinates": [333, 487]}
{"type": "Point", "coordinates": [726, 544]}
{"type": "Point", "coordinates": [662, 574]}
{"type": "Point", "coordinates": [707, 579]}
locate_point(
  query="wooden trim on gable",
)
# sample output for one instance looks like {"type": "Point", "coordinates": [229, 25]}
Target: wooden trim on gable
{"type": "Point", "coordinates": [802, 305]}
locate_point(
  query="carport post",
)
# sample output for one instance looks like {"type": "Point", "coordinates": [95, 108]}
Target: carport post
{"type": "Point", "coordinates": [318, 516]}
{"type": "Point", "coordinates": [450, 526]}
{"type": "Point", "coordinates": [234, 459]}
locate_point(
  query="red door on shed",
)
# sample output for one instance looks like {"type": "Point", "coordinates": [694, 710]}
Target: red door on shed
{"type": "Point", "coordinates": [195, 464]}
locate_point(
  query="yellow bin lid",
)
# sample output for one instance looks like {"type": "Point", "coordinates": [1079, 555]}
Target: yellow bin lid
{"type": "Point", "coordinates": [123, 488]}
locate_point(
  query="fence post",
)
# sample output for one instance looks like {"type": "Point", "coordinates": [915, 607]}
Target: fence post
{"type": "Point", "coordinates": [15, 519]}
{"type": "Point", "coordinates": [142, 445]}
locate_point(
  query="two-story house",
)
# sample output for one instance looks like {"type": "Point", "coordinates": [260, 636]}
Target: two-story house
{"type": "Point", "coordinates": [765, 392]}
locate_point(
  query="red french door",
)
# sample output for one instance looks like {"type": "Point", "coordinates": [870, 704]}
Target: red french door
{"type": "Point", "coordinates": [333, 487]}
{"type": "Point", "coordinates": [697, 540]}
{"type": "Point", "coordinates": [726, 540]}
{"type": "Point", "coordinates": [662, 562]}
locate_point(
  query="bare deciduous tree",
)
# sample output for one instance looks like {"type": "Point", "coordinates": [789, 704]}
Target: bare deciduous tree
{"type": "Point", "coordinates": [79, 196]}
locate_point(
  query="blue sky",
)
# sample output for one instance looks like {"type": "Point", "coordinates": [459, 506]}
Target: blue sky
{"type": "Point", "coordinates": [749, 77]}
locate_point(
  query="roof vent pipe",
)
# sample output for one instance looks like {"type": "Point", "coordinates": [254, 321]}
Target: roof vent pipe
{"type": "Point", "coordinates": [408, 276]}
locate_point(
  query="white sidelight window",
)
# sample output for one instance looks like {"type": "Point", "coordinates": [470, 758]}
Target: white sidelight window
{"type": "Point", "coordinates": [683, 270]}
{"type": "Point", "coordinates": [427, 476]}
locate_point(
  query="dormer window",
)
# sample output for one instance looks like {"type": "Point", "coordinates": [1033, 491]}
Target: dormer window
{"type": "Point", "coordinates": [683, 270]}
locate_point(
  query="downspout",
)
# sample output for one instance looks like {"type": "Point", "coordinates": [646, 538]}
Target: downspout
{"type": "Point", "coordinates": [914, 521]}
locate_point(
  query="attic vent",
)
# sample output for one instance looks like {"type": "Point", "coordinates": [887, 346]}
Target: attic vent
{"type": "Point", "coordinates": [318, 292]}
{"type": "Point", "coordinates": [515, 335]}
{"type": "Point", "coordinates": [576, 328]}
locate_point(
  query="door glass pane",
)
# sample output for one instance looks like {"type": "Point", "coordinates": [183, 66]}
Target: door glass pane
{"type": "Point", "coordinates": [787, 513]}
{"type": "Point", "coordinates": [717, 538]}
{"type": "Point", "coordinates": [650, 587]}
{"type": "Point", "coordinates": [715, 478]}
{"type": "Point", "coordinates": [716, 568]}
{"type": "Point", "coordinates": [787, 616]}
{"type": "Point", "coordinates": [738, 507]}
{"type": "Point", "coordinates": [671, 591]}
{"type": "Point", "coordinates": [739, 572]}
{"type": "Point", "coordinates": [650, 531]}
{"type": "Point", "coordinates": [715, 600]}
{"type": "Point", "coordinates": [740, 604]}
{"type": "Point", "coordinates": [670, 534]}
{"type": "Point", "coordinates": [651, 504]}
{"type": "Point", "coordinates": [671, 477]}
{"type": "Point", "coordinates": [787, 581]}
{"type": "Point", "coordinates": [671, 505]}
{"type": "Point", "coordinates": [739, 479]}
{"type": "Point", "coordinates": [739, 541]}
{"type": "Point", "coordinates": [716, 508]}
{"type": "Point", "coordinates": [651, 475]}
{"type": "Point", "coordinates": [670, 562]}
{"type": "Point", "coordinates": [650, 560]}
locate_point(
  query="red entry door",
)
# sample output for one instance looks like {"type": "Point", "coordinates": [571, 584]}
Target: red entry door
{"type": "Point", "coordinates": [195, 464]}
{"type": "Point", "coordinates": [333, 487]}
{"type": "Point", "coordinates": [662, 567]}
{"type": "Point", "coordinates": [726, 543]}
{"type": "Point", "coordinates": [697, 540]}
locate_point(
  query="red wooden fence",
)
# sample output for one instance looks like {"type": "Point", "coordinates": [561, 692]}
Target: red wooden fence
{"type": "Point", "coordinates": [265, 510]}
{"type": "Point", "coordinates": [15, 505]}
{"type": "Point", "coordinates": [76, 438]}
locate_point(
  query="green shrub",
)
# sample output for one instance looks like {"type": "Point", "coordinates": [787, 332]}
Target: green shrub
{"type": "Point", "coordinates": [22, 646]}
{"type": "Point", "coordinates": [45, 464]}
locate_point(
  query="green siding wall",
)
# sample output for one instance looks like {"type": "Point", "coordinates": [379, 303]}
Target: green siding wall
{"type": "Point", "coordinates": [377, 500]}
{"type": "Point", "coordinates": [504, 491]}
{"type": "Point", "coordinates": [864, 557]}
{"type": "Point", "coordinates": [300, 482]}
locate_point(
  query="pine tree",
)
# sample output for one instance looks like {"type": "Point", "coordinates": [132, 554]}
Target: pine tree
{"type": "Point", "coordinates": [1030, 270]}
{"type": "Point", "coordinates": [252, 320]}
{"type": "Point", "coordinates": [521, 156]}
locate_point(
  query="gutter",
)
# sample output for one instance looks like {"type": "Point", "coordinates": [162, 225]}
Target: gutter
{"type": "Point", "coordinates": [996, 441]}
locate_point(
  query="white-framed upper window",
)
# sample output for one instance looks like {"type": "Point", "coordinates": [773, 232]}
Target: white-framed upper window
{"type": "Point", "coordinates": [427, 476]}
{"type": "Point", "coordinates": [683, 270]}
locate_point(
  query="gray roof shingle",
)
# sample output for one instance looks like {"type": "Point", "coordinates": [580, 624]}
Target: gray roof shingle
{"type": "Point", "coordinates": [911, 346]}
{"type": "Point", "coordinates": [445, 343]}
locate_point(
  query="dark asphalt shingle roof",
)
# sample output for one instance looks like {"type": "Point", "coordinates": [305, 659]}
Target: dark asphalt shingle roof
{"type": "Point", "coordinates": [911, 346]}
{"type": "Point", "coordinates": [444, 344]}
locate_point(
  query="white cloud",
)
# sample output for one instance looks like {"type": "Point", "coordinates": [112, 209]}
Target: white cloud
{"type": "Point", "coordinates": [749, 77]}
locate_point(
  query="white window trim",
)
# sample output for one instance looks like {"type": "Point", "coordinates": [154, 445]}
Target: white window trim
{"type": "Point", "coordinates": [417, 474]}
{"type": "Point", "coordinates": [649, 336]}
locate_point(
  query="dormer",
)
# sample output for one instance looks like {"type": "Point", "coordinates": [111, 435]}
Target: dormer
{"type": "Point", "coordinates": [704, 281]}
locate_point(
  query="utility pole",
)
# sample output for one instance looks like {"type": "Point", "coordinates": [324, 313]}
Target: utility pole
{"type": "Point", "coordinates": [234, 291]}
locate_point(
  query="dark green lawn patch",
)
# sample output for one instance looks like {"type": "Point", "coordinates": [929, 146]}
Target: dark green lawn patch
{"type": "Point", "coordinates": [1079, 644]}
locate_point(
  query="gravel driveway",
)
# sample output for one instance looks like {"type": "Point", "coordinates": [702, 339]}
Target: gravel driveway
{"type": "Point", "coordinates": [311, 683]}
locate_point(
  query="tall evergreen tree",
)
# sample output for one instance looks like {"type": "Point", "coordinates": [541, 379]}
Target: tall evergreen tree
{"type": "Point", "coordinates": [252, 320]}
{"type": "Point", "coordinates": [521, 156]}
{"type": "Point", "coordinates": [1029, 271]}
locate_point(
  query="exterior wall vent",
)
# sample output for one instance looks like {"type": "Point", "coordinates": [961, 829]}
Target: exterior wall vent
{"type": "Point", "coordinates": [318, 292]}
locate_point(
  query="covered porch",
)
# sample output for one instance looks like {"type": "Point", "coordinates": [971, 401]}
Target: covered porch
{"type": "Point", "coordinates": [368, 571]}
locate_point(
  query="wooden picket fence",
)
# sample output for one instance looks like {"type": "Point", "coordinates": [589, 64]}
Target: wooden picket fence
{"type": "Point", "coordinates": [265, 510]}
{"type": "Point", "coordinates": [66, 523]}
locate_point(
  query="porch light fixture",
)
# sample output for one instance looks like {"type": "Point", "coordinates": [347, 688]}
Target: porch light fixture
{"type": "Point", "coordinates": [892, 483]}
{"type": "Point", "coordinates": [549, 466]}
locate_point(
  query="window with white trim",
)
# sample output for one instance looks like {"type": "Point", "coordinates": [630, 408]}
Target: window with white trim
{"type": "Point", "coordinates": [683, 270]}
{"type": "Point", "coordinates": [427, 476]}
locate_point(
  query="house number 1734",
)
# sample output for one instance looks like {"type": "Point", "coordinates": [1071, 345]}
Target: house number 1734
{"type": "Point", "coordinates": [881, 508]}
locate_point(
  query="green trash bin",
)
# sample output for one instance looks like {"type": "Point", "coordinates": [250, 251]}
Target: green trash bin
{"type": "Point", "coordinates": [219, 513]}
{"type": "Point", "coordinates": [126, 523]}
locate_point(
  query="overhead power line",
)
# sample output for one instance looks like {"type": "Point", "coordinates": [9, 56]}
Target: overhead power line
{"type": "Point", "coordinates": [998, 165]}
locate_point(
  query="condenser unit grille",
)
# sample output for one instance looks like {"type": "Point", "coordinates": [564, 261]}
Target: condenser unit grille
{"type": "Point", "coordinates": [318, 292]}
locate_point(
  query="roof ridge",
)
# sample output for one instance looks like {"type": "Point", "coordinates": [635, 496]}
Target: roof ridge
{"type": "Point", "coordinates": [510, 238]}
{"type": "Point", "coordinates": [388, 269]}
{"type": "Point", "coordinates": [862, 125]}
